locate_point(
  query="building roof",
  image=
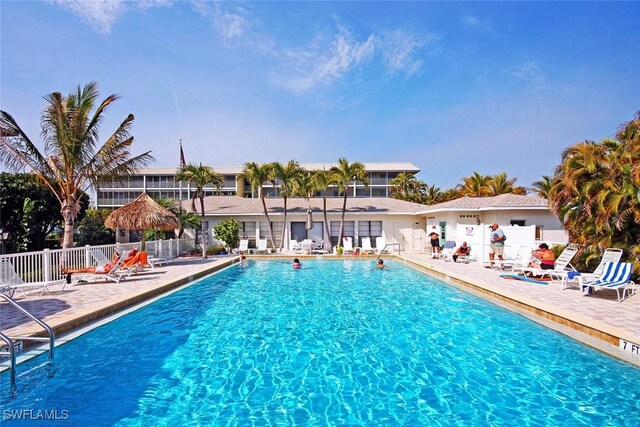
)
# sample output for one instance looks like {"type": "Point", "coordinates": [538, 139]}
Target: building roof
{"type": "Point", "coordinates": [234, 205]}
{"type": "Point", "coordinates": [234, 170]}
{"type": "Point", "coordinates": [500, 202]}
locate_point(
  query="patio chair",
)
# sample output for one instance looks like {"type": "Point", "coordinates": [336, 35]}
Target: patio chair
{"type": "Point", "coordinates": [262, 246]}
{"type": "Point", "coordinates": [381, 244]}
{"type": "Point", "coordinates": [447, 251]}
{"type": "Point", "coordinates": [115, 274]}
{"type": "Point", "coordinates": [562, 265]}
{"type": "Point", "coordinates": [515, 262]}
{"type": "Point", "coordinates": [243, 246]}
{"type": "Point", "coordinates": [609, 255]}
{"type": "Point", "coordinates": [366, 246]}
{"type": "Point", "coordinates": [11, 282]}
{"type": "Point", "coordinates": [347, 244]}
{"type": "Point", "coordinates": [617, 275]}
{"type": "Point", "coordinates": [295, 246]}
{"type": "Point", "coordinates": [318, 248]}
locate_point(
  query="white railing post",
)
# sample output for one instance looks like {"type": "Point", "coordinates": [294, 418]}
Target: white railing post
{"type": "Point", "coordinates": [87, 256]}
{"type": "Point", "coordinates": [171, 248]}
{"type": "Point", "coordinates": [46, 264]}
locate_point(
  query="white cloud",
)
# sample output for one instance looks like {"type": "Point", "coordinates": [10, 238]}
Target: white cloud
{"type": "Point", "coordinates": [530, 73]}
{"type": "Point", "coordinates": [102, 15]}
{"type": "Point", "coordinates": [399, 50]}
{"type": "Point", "coordinates": [471, 21]}
{"type": "Point", "coordinates": [99, 14]}
{"type": "Point", "coordinates": [228, 24]}
{"type": "Point", "coordinates": [323, 63]}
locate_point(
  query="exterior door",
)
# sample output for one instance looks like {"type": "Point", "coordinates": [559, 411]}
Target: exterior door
{"type": "Point", "coordinates": [418, 245]}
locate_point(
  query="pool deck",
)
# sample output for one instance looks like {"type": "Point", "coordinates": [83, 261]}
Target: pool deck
{"type": "Point", "coordinates": [598, 320]}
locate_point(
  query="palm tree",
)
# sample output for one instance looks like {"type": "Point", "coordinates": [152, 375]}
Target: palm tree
{"type": "Point", "coordinates": [432, 195]}
{"type": "Point", "coordinates": [596, 193]}
{"type": "Point", "coordinates": [403, 185]}
{"type": "Point", "coordinates": [543, 187]}
{"type": "Point", "coordinates": [343, 175]}
{"type": "Point", "coordinates": [71, 162]}
{"type": "Point", "coordinates": [285, 176]}
{"type": "Point", "coordinates": [258, 175]}
{"type": "Point", "coordinates": [320, 181]}
{"type": "Point", "coordinates": [476, 185]}
{"type": "Point", "coordinates": [186, 219]}
{"type": "Point", "coordinates": [501, 184]}
{"type": "Point", "coordinates": [200, 176]}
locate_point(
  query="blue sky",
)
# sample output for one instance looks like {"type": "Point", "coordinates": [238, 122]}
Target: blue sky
{"type": "Point", "coordinates": [454, 88]}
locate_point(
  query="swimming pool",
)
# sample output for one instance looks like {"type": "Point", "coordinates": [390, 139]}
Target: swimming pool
{"type": "Point", "coordinates": [334, 343]}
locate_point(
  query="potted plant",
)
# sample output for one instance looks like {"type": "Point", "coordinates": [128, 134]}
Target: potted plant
{"type": "Point", "coordinates": [339, 250]}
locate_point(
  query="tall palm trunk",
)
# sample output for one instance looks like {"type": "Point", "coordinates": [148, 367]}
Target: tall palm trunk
{"type": "Point", "coordinates": [266, 213]}
{"type": "Point", "coordinates": [326, 221]}
{"type": "Point", "coordinates": [344, 210]}
{"type": "Point", "coordinates": [204, 238]}
{"type": "Point", "coordinates": [284, 226]}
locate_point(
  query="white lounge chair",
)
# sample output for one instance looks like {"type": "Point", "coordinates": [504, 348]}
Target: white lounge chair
{"type": "Point", "coordinates": [11, 282]}
{"type": "Point", "coordinates": [366, 246]}
{"type": "Point", "coordinates": [262, 246]}
{"type": "Point", "coordinates": [609, 255]}
{"type": "Point", "coordinates": [517, 261]}
{"type": "Point", "coordinates": [318, 248]}
{"type": "Point", "coordinates": [306, 246]}
{"type": "Point", "coordinates": [244, 245]}
{"type": "Point", "coordinates": [381, 244]}
{"type": "Point", "coordinates": [295, 246]}
{"type": "Point", "coordinates": [447, 251]}
{"type": "Point", "coordinates": [562, 265]}
{"type": "Point", "coordinates": [617, 275]}
{"type": "Point", "coordinates": [347, 244]}
{"type": "Point", "coordinates": [115, 273]}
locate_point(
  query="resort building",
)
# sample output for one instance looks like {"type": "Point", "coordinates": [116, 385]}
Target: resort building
{"type": "Point", "coordinates": [161, 183]}
{"type": "Point", "coordinates": [524, 219]}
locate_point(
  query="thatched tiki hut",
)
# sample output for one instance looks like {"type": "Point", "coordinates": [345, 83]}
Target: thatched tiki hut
{"type": "Point", "coordinates": [142, 214]}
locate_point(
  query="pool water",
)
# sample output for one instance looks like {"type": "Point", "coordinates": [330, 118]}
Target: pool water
{"type": "Point", "coordinates": [334, 343]}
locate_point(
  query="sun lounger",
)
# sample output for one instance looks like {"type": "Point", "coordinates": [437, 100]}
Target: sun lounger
{"type": "Point", "coordinates": [562, 265]}
{"type": "Point", "coordinates": [347, 245]}
{"type": "Point", "coordinates": [295, 247]}
{"type": "Point", "coordinates": [609, 255]}
{"type": "Point", "coordinates": [318, 248]}
{"type": "Point", "coordinates": [381, 244]}
{"type": "Point", "coordinates": [262, 246]}
{"type": "Point", "coordinates": [617, 275]}
{"type": "Point", "coordinates": [115, 274]}
{"type": "Point", "coordinates": [366, 246]}
{"type": "Point", "coordinates": [447, 251]}
{"type": "Point", "coordinates": [11, 282]}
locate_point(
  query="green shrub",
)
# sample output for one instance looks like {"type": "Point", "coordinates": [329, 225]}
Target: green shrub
{"type": "Point", "coordinates": [227, 231]}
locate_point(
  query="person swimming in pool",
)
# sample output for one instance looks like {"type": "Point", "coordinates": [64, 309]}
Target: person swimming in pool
{"type": "Point", "coordinates": [380, 264]}
{"type": "Point", "coordinates": [296, 264]}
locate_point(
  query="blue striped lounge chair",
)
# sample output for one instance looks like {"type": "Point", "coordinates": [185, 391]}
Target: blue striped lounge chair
{"type": "Point", "coordinates": [617, 275]}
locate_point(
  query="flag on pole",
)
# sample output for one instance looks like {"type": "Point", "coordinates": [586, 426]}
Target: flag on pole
{"type": "Point", "coordinates": [183, 164]}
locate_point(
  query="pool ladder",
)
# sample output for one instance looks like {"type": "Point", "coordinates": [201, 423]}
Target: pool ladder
{"type": "Point", "coordinates": [385, 248]}
{"type": "Point", "coordinates": [11, 341]}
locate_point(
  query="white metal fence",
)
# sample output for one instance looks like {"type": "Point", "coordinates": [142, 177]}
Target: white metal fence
{"type": "Point", "coordinates": [47, 265]}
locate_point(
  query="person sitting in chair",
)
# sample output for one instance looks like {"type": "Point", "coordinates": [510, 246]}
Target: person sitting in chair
{"type": "Point", "coordinates": [96, 269]}
{"type": "Point", "coordinates": [543, 258]}
{"type": "Point", "coordinates": [464, 250]}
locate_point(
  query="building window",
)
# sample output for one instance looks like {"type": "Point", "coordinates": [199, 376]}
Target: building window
{"type": "Point", "coordinates": [370, 229]}
{"type": "Point", "coordinates": [349, 231]}
{"type": "Point", "coordinates": [518, 222]}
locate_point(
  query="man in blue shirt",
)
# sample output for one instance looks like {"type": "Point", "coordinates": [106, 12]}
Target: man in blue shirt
{"type": "Point", "coordinates": [497, 245]}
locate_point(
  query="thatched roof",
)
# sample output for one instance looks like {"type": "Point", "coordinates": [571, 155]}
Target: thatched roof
{"type": "Point", "coordinates": [142, 214]}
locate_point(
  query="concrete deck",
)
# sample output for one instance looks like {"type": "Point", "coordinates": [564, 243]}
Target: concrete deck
{"type": "Point", "coordinates": [598, 320]}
